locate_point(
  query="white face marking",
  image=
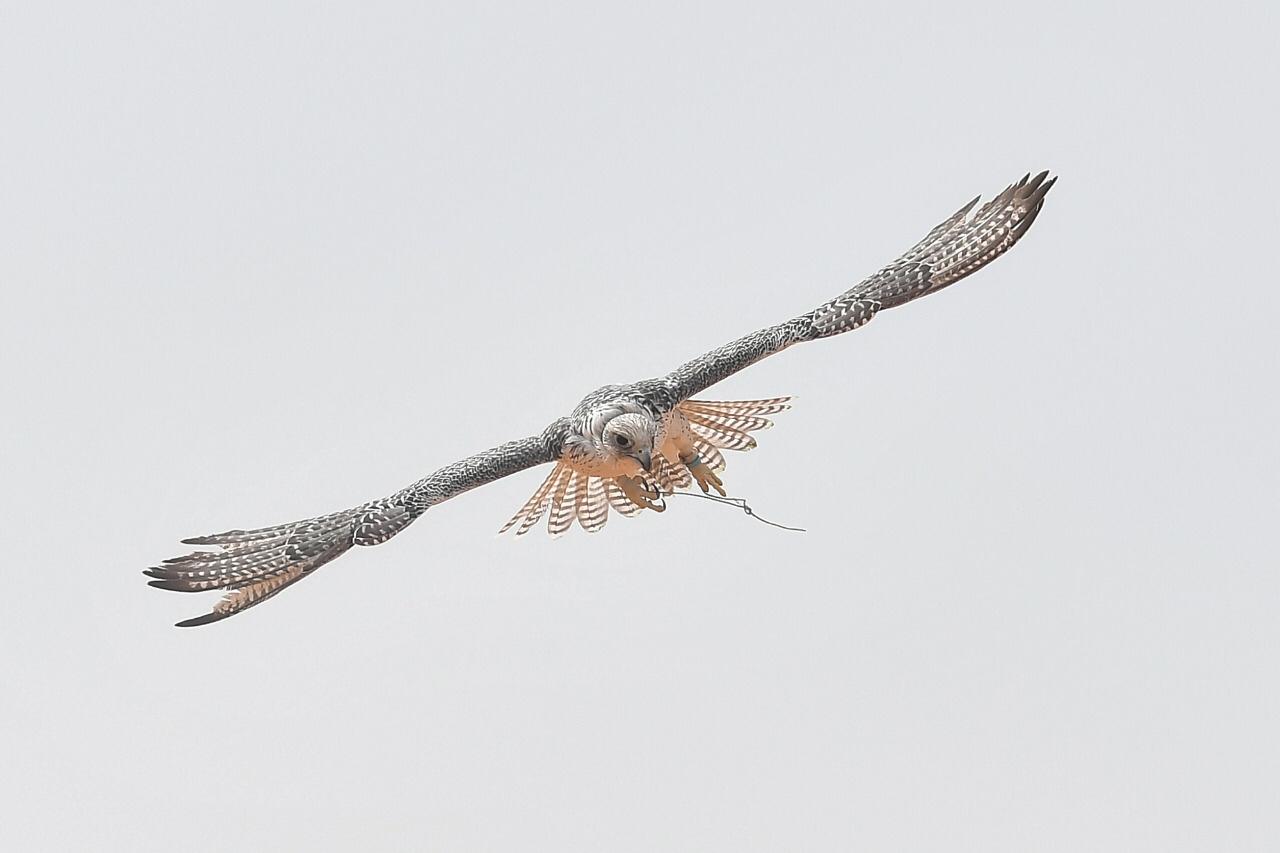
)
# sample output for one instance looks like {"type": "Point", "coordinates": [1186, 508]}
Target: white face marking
{"type": "Point", "coordinates": [614, 439]}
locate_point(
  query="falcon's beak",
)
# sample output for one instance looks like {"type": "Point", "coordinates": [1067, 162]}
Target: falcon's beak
{"type": "Point", "coordinates": [646, 460]}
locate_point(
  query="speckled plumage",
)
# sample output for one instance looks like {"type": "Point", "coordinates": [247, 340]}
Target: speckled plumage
{"type": "Point", "coordinates": [587, 483]}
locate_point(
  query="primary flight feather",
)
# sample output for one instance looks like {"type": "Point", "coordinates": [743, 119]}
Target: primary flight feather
{"type": "Point", "coordinates": [624, 446]}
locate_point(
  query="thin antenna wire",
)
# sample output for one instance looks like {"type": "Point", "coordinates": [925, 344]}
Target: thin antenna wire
{"type": "Point", "coordinates": [740, 503]}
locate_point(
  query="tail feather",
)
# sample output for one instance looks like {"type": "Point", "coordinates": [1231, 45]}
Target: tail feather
{"type": "Point", "coordinates": [536, 505]}
{"type": "Point", "coordinates": [769, 406]}
{"type": "Point", "coordinates": [544, 502]}
{"type": "Point", "coordinates": [669, 477]}
{"type": "Point", "coordinates": [567, 496]}
{"type": "Point", "coordinates": [721, 436]}
{"type": "Point", "coordinates": [725, 424]}
{"type": "Point", "coordinates": [596, 512]}
{"type": "Point", "coordinates": [580, 492]}
{"type": "Point", "coordinates": [709, 452]}
{"type": "Point", "coordinates": [680, 476]}
{"type": "Point", "coordinates": [740, 423]}
{"type": "Point", "coordinates": [618, 501]}
{"type": "Point", "coordinates": [564, 497]}
{"type": "Point", "coordinates": [562, 513]}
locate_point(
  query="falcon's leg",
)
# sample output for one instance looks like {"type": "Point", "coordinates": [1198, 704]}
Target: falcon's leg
{"type": "Point", "coordinates": [707, 479]}
{"type": "Point", "coordinates": [640, 494]}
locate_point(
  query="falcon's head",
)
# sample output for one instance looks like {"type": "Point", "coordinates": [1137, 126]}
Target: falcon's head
{"type": "Point", "coordinates": [614, 439]}
{"type": "Point", "coordinates": [630, 436]}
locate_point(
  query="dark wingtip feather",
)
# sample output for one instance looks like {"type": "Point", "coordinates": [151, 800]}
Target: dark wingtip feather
{"type": "Point", "coordinates": [172, 585]}
{"type": "Point", "coordinates": [200, 540]}
{"type": "Point", "coordinates": [1043, 189]}
{"type": "Point", "coordinates": [201, 620]}
{"type": "Point", "coordinates": [1030, 186]}
{"type": "Point", "coordinates": [1035, 202]}
{"type": "Point", "coordinates": [163, 572]}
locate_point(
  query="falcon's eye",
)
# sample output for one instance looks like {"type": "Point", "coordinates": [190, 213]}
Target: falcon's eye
{"type": "Point", "coordinates": [622, 441]}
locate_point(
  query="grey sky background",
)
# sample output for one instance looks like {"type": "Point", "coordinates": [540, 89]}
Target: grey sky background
{"type": "Point", "coordinates": [263, 261]}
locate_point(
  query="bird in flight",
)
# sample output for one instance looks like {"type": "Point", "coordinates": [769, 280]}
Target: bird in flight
{"type": "Point", "coordinates": [625, 446]}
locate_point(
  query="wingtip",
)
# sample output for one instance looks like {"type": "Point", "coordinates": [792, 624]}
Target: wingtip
{"type": "Point", "coordinates": [1036, 197]}
{"type": "Point", "coordinates": [171, 584]}
{"type": "Point", "coordinates": [1030, 185]}
{"type": "Point", "coordinates": [197, 621]}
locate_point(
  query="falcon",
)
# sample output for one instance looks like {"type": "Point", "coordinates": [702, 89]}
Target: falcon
{"type": "Point", "coordinates": [625, 447]}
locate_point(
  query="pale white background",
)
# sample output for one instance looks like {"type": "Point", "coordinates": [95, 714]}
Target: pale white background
{"type": "Point", "coordinates": [262, 261]}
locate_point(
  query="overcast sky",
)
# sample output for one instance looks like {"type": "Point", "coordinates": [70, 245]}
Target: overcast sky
{"type": "Point", "coordinates": [264, 261]}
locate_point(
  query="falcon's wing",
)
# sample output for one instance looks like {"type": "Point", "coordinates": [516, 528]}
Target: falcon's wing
{"type": "Point", "coordinates": [961, 245]}
{"type": "Point", "coordinates": [253, 565]}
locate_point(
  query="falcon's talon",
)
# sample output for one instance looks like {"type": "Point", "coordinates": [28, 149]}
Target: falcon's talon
{"type": "Point", "coordinates": [643, 494]}
{"type": "Point", "coordinates": [707, 479]}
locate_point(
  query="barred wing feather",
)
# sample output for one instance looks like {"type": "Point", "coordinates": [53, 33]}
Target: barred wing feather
{"type": "Point", "coordinates": [250, 566]}
{"type": "Point", "coordinates": [960, 245]}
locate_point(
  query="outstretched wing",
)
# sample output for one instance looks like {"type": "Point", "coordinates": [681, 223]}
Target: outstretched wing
{"type": "Point", "coordinates": [957, 247]}
{"type": "Point", "coordinates": [253, 565]}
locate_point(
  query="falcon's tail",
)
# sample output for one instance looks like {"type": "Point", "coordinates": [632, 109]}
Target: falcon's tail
{"type": "Point", "coordinates": [723, 425]}
{"type": "Point", "coordinates": [567, 495]}
{"type": "Point", "coordinates": [254, 565]}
